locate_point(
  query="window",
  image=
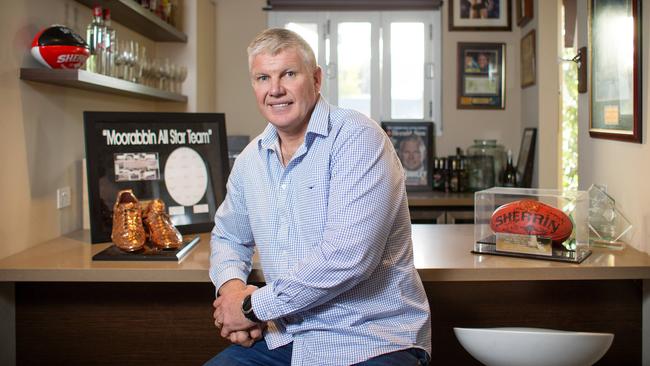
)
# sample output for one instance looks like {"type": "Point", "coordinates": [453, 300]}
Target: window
{"type": "Point", "coordinates": [385, 64]}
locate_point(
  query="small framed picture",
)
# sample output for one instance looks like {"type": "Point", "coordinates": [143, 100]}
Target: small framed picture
{"type": "Point", "coordinates": [526, 160]}
{"type": "Point", "coordinates": [481, 76]}
{"type": "Point", "coordinates": [485, 15]}
{"type": "Point", "coordinates": [180, 158]}
{"type": "Point", "coordinates": [527, 50]}
{"type": "Point", "coordinates": [413, 142]}
{"type": "Point", "coordinates": [524, 11]}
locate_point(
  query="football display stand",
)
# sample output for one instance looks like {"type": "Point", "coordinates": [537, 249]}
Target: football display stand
{"type": "Point", "coordinates": [148, 253]}
{"type": "Point", "coordinates": [532, 223]}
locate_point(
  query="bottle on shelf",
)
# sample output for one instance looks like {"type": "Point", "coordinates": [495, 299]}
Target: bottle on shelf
{"type": "Point", "coordinates": [463, 176]}
{"type": "Point", "coordinates": [95, 40]}
{"type": "Point", "coordinates": [110, 46]}
{"type": "Point", "coordinates": [509, 178]}
{"type": "Point", "coordinates": [438, 184]}
{"type": "Point", "coordinates": [454, 175]}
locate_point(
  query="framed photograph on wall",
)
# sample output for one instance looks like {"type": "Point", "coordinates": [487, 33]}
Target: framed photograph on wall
{"type": "Point", "coordinates": [413, 142]}
{"type": "Point", "coordinates": [615, 70]}
{"type": "Point", "coordinates": [180, 158]}
{"type": "Point", "coordinates": [485, 15]}
{"type": "Point", "coordinates": [526, 159]}
{"type": "Point", "coordinates": [524, 11]}
{"type": "Point", "coordinates": [481, 76]}
{"type": "Point", "coordinates": [527, 58]}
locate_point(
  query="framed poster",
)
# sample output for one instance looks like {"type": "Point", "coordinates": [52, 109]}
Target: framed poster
{"type": "Point", "coordinates": [527, 58]}
{"type": "Point", "coordinates": [413, 142]}
{"type": "Point", "coordinates": [526, 159]}
{"type": "Point", "coordinates": [181, 158]}
{"type": "Point", "coordinates": [481, 76]}
{"type": "Point", "coordinates": [485, 15]}
{"type": "Point", "coordinates": [524, 11]}
{"type": "Point", "coordinates": [615, 69]}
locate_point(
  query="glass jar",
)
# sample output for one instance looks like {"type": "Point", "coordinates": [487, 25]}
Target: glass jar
{"type": "Point", "coordinates": [487, 164]}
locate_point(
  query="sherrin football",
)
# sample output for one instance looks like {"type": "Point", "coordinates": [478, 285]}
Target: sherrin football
{"type": "Point", "coordinates": [59, 47]}
{"type": "Point", "coordinates": [530, 217]}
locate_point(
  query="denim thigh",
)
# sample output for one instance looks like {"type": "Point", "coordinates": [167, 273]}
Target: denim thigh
{"type": "Point", "coordinates": [258, 354]}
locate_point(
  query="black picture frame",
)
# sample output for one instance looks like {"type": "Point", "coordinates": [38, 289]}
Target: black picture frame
{"type": "Point", "coordinates": [413, 142]}
{"type": "Point", "coordinates": [495, 15]}
{"type": "Point", "coordinates": [481, 75]}
{"type": "Point", "coordinates": [615, 103]}
{"type": "Point", "coordinates": [181, 158]}
{"type": "Point", "coordinates": [526, 158]}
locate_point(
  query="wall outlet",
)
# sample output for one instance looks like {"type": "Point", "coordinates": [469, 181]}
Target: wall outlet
{"type": "Point", "coordinates": [63, 197]}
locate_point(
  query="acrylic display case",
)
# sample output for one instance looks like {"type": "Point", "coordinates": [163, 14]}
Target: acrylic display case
{"type": "Point", "coordinates": [537, 223]}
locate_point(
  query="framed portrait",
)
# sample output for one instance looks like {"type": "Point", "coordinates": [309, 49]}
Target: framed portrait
{"type": "Point", "coordinates": [413, 142]}
{"type": "Point", "coordinates": [473, 15]}
{"type": "Point", "coordinates": [524, 10]}
{"type": "Point", "coordinates": [481, 76]}
{"type": "Point", "coordinates": [527, 58]}
{"type": "Point", "coordinates": [526, 159]}
{"type": "Point", "coordinates": [615, 70]}
{"type": "Point", "coordinates": [180, 158]}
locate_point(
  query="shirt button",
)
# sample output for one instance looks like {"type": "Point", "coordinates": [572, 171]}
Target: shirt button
{"type": "Point", "coordinates": [283, 186]}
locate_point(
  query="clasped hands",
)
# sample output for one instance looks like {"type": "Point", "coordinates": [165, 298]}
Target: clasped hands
{"type": "Point", "coordinates": [228, 316]}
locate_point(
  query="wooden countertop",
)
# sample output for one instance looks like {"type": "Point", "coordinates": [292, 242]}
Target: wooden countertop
{"type": "Point", "coordinates": [440, 199]}
{"type": "Point", "coordinates": [441, 253]}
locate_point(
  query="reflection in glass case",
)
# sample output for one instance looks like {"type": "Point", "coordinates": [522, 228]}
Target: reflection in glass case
{"type": "Point", "coordinates": [532, 223]}
{"type": "Point", "coordinates": [607, 223]}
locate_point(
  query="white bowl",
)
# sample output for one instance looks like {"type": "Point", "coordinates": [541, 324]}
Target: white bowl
{"type": "Point", "coordinates": [533, 346]}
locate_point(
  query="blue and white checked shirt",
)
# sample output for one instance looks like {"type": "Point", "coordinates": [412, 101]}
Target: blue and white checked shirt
{"type": "Point", "coordinates": [334, 238]}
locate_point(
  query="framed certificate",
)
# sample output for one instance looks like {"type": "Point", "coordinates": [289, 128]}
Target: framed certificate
{"type": "Point", "coordinates": [181, 158]}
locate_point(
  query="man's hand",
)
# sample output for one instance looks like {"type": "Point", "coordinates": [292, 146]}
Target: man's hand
{"type": "Point", "coordinates": [228, 312]}
{"type": "Point", "coordinates": [233, 290]}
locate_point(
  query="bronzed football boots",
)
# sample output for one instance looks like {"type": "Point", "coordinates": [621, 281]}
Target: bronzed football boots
{"type": "Point", "coordinates": [162, 232]}
{"type": "Point", "coordinates": [128, 232]}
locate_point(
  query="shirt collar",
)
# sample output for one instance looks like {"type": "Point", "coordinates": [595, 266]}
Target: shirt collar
{"type": "Point", "coordinates": [318, 124]}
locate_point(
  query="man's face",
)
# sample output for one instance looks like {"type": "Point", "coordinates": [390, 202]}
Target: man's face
{"type": "Point", "coordinates": [411, 155]}
{"type": "Point", "coordinates": [482, 61]}
{"type": "Point", "coordinates": [285, 88]}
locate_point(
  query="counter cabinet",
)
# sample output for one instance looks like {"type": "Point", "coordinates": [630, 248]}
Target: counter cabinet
{"type": "Point", "coordinates": [62, 308]}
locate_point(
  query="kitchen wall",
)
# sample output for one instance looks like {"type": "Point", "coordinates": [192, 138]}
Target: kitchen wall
{"type": "Point", "coordinates": [42, 126]}
{"type": "Point", "coordinates": [460, 127]}
{"type": "Point", "coordinates": [622, 166]}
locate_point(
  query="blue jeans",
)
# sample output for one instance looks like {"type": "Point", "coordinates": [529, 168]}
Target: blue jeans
{"type": "Point", "coordinates": [260, 355]}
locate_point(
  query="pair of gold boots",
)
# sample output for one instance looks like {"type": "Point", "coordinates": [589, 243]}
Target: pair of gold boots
{"type": "Point", "coordinates": [134, 223]}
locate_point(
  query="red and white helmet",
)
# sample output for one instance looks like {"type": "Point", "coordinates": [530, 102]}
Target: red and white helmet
{"type": "Point", "coordinates": [58, 47]}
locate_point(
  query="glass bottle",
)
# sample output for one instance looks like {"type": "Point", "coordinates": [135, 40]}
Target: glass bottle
{"type": "Point", "coordinates": [463, 176]}
{"type": "Point", "coordinates": [453, 176]}
{"type": "Point", "coordinates": [484, 149]}
{"type": "Point", "coordinates": [510, 173]}
{"type": "Point", "coordinates": [110, 45]}
{"type": "Point", "coordinates": [438, 184]}
{"type": "Point", "coordinates": [94, 38]}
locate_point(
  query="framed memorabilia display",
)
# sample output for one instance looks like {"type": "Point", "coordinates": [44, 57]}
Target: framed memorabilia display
{"type": "Point", "coordinates": [527, 50]}
{"type": "Point", "coordinates": [413, 142]}
{"type": "Point", "coordinates": [615, 70]}
{"type": "Point", "coordinates": [181, 158]}
{"type": "Point", "coordinates": [485, 15]}
{"type": "Point", "coordinates": [524, 11]}
{"type": "Point", "coordinates": [481, 76]}
{"type": "Point", "coordinates": [526, 159]}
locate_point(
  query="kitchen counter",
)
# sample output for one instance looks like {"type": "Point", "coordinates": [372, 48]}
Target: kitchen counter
{"type": "Point", "coordinates": [441, 253]}
{"type": "Point", "coordinates": [81, 311]}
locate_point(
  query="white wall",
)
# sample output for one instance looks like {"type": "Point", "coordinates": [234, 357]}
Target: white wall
{"type": "Point", "coordinates": [622, 166]}
{"type": "Point", "coordinates": [42, 125]}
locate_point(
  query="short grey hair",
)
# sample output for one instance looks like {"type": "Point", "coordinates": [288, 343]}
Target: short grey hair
{"type": "Point", "coordinates": [276, 40]}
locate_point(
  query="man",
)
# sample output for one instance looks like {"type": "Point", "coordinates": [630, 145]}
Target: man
{"type": "Point", "coordinates": [483, 62]}
{"type": "Point", "coordinates": [320, 195]}
{"type": "Point", "coordinates": [412, 152]}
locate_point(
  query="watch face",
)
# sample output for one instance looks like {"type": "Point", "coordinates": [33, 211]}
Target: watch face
{"type": "Point", "coordinates": [246, 305]}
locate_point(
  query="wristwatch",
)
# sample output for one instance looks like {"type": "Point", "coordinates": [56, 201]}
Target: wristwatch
{"type": "Point", "coordinates": [247, 310]}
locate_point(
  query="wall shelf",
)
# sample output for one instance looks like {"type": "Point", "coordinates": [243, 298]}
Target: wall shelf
{"type": "Point", "coordinates": [82, 79]}
{"type": "Point", "coordinates": [132, 15]}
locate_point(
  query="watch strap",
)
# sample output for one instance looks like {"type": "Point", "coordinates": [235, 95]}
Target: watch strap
{"type": "Point", "coordinates": [247, 310]}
